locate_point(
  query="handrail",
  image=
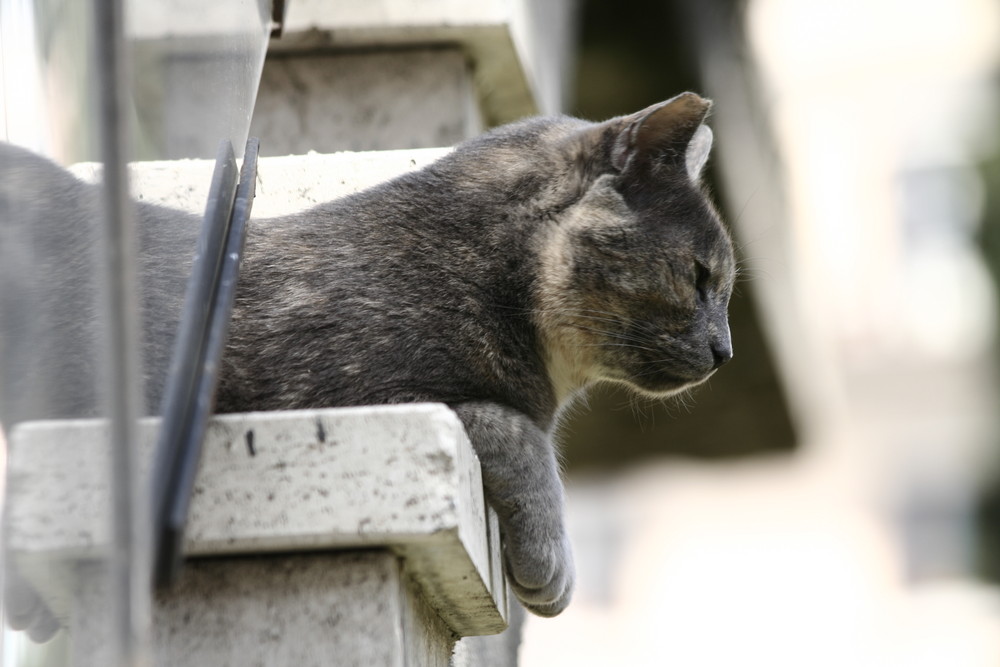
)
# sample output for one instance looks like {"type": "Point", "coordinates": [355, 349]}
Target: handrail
{"type": "Point", "coordinates": [191, 383]}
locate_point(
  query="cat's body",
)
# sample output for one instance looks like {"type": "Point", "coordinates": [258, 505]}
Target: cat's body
{"type": "Point", "coordinates": [501, 280]}
{"type": "Point", "coordinates": [527, 264]}
{"type": "Point", "coordinates": [406, 292]}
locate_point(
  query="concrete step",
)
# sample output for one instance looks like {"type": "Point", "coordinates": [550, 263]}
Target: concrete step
{"type": "Point", "coordinates": [300, 492]}
{"type": "Point", "coordinates": [356, 75]}
{"type": "Point", "coordinates": [418, 97]}
{"type": "Point", "coordinates": [519, 49]}
{"type": "Point", "coordinates": [387, 74]}
{"type": "Point", "coordinates": [284, 184]}
{"type": "Point", "coordinates": [438, 566]}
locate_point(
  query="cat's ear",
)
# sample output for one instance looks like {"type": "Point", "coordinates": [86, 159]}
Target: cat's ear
{"type": "Point", "coordinates": [697, 151]}
{"type": "Point", "coordinates": [669, 132]}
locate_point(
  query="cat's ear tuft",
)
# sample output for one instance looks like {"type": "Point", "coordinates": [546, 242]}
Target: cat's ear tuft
{"type": "Point", "coordinates": [668, 132]}
{"type": "Point", "coordinates": [697, 151]}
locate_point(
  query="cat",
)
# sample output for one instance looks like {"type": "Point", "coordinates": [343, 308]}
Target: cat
{"type": "Point", "coordinates": [502, 280]}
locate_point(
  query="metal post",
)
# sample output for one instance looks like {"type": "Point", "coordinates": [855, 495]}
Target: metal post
{"type": "Point", "coordinates": [128, 567]}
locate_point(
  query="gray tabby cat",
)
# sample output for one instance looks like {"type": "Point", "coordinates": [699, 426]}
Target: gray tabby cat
{"type": "Point", "coordinates": [501, 280]}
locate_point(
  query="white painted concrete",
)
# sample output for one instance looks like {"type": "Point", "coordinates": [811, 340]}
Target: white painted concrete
{"type": "Point", "coordinates": [347, 608]}
{"type": "Point", "coordinates": [518, 49]}
{"type": "Point", "coordinates": [400, 478]}
{"type": "Point", "coordinates": [327, 102]}
{"type": "Point", "coordinates": [285, 184]}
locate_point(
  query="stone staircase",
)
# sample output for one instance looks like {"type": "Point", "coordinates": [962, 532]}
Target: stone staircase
{"type": "Point", "coordinates": [351, 536]}
{"type": "Point", "coordinates": [343, 536]}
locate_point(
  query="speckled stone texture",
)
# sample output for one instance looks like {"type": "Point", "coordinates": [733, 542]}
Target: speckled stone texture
{"type": "Point", "coordinates": [355, 608]}
{"type": "Point", "coordinates": [519, 49]}
{"type": "Point", "coordinates": [284, 184]}
{"type": "Point", "coordinates": [413, 98]}
{"type": "Point", "coordinates": [291, 486]}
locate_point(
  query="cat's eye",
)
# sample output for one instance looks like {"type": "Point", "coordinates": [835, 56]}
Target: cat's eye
{"type": "Point", "coordinates": [701, 280]}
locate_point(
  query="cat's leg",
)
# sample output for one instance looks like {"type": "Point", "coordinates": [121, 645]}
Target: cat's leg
{"type": "Point", "coordinates": [521, 482]}
{"type": "Point", "coordinates": [24, 610]}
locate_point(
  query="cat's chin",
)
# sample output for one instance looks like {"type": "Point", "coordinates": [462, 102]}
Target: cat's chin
{"type": "Point", "coordinates": [663, 387]}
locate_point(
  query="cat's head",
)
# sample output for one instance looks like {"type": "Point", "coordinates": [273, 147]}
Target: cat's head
{"type": "Point", "coordinates": [637, 269]}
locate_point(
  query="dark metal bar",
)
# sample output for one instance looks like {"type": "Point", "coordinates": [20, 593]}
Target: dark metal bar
{"type": "Point", "coordinates": [190, 392]}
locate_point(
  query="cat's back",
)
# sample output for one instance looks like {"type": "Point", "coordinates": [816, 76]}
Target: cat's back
{"type": "Point", "coordinates": [417, 289]}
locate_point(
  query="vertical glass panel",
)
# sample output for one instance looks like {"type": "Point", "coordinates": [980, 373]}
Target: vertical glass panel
{"type": "Point", "coordinates": [193, 73]}
{"type": "Point", "coordinates": [196, 66]}
{"type": "Point", "coordinates": [52, 323]}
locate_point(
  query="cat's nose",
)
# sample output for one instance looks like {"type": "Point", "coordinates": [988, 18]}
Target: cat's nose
{"type": "Point", "coordinates": [722, 351]}
{"type": "Point", "coordinates": [721, 343]}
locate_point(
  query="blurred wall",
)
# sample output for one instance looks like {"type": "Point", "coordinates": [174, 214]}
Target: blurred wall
{"type": "Point", "coordinates": [633, 54]}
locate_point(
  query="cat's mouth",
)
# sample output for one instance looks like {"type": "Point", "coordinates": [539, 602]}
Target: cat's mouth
{"type": "Point", "coordinates": [658, 382]}
{"type": "Point", "coordinates": [665, 385]}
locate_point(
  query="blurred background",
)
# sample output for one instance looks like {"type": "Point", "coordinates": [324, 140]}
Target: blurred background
{"type": "Point", "coordinates": [831, 497]}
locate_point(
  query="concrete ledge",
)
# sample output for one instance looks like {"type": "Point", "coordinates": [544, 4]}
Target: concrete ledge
{"type": "Point", "coordinates": [401, 477]}
{"type": "Point", "coordinates": [517, 63]}
{"type": "Point", "coordinates": [296, 182]}
{"type": "Point", "coordinates": [285, 184]}
{"type": "Point", "coordinates": [383, 100]}
{"type": "Point", "coordinates": [308, 610]}
{"type": "Point", "coordinates": [519, 52]}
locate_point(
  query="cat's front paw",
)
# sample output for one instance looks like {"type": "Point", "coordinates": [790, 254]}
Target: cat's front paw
{"type": "Point", "coordinates": [24, 610]}
{"type": "Point", "coordinates": [541, 573]}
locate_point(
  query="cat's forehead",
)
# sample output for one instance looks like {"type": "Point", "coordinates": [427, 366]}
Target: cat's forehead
{"type": "Point", "coordinates": [718, 250]}
{"type": "Point", "coordinates": [687, 218]}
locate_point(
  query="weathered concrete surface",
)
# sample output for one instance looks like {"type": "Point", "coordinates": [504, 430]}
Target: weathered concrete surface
{"type": "Point", "coordinates": [326, 102]}
{"type": "Point", "coordinates": [296, 182]}
{"type": "Point", "coordinates": [519, 49]}
{"type": "Point", "coordinates": [355, 608]}
{"type": "Point", "coordinates": [284, 184]}
{"type": "Point", "coordinates": [400, 477]}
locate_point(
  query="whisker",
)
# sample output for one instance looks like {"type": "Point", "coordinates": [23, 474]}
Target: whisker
{"type": "Point", "coordinates": [638, 413]}
{"type": "Point", "coordinates": [637, 347]}
{"type": "Point", "coordinates": [602, 316]}
{"type": "Point", "coordinates": [610, 334]}
{"type": "Point", "coordinates": [615, 318]}
{"type": "Point", "coordinates": [743, 209]}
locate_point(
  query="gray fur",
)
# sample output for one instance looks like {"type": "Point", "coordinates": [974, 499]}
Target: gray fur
{"type": "Point", "coordinates": [529, 263]}
{"type": "Point", "coordinates": [501, 280]}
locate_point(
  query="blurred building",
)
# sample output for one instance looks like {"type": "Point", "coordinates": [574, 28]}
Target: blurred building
{"type": "Point", "coordinates": [849, 143]}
